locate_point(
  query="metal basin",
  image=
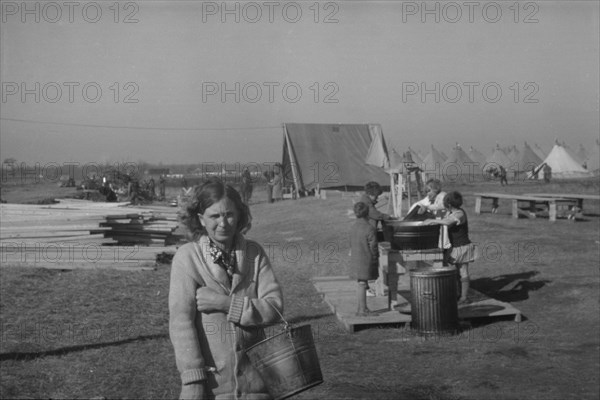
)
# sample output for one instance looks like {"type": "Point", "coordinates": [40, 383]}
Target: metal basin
{"type": "Point", "coordinates": [412, 235]}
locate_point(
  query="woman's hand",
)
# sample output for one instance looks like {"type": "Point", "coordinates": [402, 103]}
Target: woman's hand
{"type": "Point", "coordinates": [429, 222]}
{"type": "Point", "coordinates": [208, 300]}
{"type": "Point", "coordinates": [193, 391]}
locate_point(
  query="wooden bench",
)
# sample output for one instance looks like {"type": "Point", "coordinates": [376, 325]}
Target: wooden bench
{"type": "Point", "coordinates": [577, 198]}
{"type": "Point", "coordinates": [533, 201]}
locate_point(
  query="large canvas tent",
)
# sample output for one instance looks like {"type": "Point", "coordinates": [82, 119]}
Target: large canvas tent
{"type": "Point", "coordinates": [563, 165]}
{"type": "Point", "coordinates": [334, 156]}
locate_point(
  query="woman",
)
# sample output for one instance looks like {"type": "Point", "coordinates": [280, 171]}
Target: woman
{"type": "Point", "coordinates": [431, 206]}
{"type": "Point", "coordinates": [223, 292]}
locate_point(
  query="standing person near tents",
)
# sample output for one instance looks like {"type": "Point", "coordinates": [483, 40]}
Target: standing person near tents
{"type": "Point", "coordinates": [223, 292]}
{"type": "Point", "coordinates": [547, 173]}
{"type": "Point", "coordinates": [151, 188]}
{"type": "Point", "coordinates": [364, 258]}
{"type": "Point", "coordinates": [268, 176]}
{"type": "Point", "coordinates": [161, 187]}
{"type": "Point", "coordinates": [369, 197]}
{"type": "Point", "coordinates": [462, 251]}
{"type": "Point", "coordinates": [502, 175]}
{"type": "Point", "coordinates": [277, 184]}
{"type": "Point", "coordinates": [246, 187]}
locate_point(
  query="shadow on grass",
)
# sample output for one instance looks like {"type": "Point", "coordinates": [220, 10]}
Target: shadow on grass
{"type": "Point", "coordinates": [509, 288]}
{"type": "Point", "coordinates": [19, 356]}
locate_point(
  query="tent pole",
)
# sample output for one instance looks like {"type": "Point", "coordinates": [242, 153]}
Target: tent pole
{"type": "Point", "coordinates": [399, 195]}
{"type": "Point", "coordinates": [292, 161]}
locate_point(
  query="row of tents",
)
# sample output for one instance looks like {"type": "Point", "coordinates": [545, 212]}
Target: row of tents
{"type": "Point", "coordinates": [346, 156]}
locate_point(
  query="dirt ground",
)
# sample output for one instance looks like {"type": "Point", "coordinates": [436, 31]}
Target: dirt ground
{"type": "Point", "coordinates": [549, 271]}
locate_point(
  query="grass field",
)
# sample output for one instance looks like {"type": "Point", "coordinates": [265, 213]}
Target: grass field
{"type": "Point", "coordinates": [103, 333]}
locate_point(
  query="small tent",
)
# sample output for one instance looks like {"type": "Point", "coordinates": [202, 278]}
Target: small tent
{"type": "Point", "coordinates": [432, 163]}
{"type": "Point", "coordinates": [540, 151]}
{"type": "Point", "coordinates": [513, 153]}
{"type": "Point", "coordinates": [573, 154]}
{"type": "Point", "coordinates": [416, 157]}
{"type": "Point", "coordinates": [334, 156]}
{"type": "Point", "coordinates": [582, 153]}
{"type": "Point", "coordinates": [497, 158]}
{"type": "Point", "coordinates": [527, 160]}
{"type": "Point", "coordinates": [396, 161]}
{"type": "Point", "coordinates": [460, 167]}
{"type": "Point", "coordinates": [476, 156]}
{"type": "Point", "coordinates": [592, 162]}
{"type": "Point", "coordinates": [563, 165]}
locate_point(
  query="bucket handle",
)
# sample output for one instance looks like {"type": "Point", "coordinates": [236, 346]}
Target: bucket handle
{"type": "Point", "coordinates": [286, 324]}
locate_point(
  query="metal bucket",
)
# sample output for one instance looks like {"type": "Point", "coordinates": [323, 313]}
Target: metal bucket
{"type": "Point", "coordinates": [434, 308]}
{"type": "Point", "coordinates": [287, 362]}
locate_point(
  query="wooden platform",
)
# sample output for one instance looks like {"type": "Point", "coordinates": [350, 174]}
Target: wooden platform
{"type": "Point", "coordinates": [339, 292]}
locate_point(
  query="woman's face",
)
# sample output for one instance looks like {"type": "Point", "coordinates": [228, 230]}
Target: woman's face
{"type": "Point", "coordinates": [431, 193]}
{"type": "Point", "coordinates": [220, 221]}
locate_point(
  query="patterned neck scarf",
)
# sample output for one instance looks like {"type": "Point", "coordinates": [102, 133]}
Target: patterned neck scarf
{"type": "Point", "coordinates": [226, 261]}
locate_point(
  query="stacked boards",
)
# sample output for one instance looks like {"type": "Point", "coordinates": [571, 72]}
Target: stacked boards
{"type": "Point", "coordinates": [83, 234]}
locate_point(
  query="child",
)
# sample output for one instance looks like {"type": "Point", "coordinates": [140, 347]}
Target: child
{"type": "Point", "coordinates": [364, 255]}
{"type": "Point", "coordinates": [463, 251]}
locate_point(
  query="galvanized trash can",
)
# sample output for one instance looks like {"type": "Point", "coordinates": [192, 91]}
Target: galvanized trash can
{"type": "Point", "coordinates": [434, 307]}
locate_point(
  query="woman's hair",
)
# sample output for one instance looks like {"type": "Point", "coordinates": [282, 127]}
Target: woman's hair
{"type": "Point", "coordinates": [453, 199]}
{"type": "Point", "coordinates": [361, 210]}
{"type": "Point", "coordinates": [435, 184]}
{"type": "Point", "coordinates": [373, 189]}
{"type": "Point", "coordinates": [204, 196]}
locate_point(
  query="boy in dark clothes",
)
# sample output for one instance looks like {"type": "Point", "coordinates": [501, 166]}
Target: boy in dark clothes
{"type": "Point", "coordinates": [364, 258]}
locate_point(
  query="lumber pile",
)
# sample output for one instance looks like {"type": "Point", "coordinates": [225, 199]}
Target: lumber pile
{"type": "Point", "coordinates": [83, 234]}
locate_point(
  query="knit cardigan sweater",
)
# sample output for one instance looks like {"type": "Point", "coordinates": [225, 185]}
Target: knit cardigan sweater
{"type": "Point", "coordinates": [209, 347]}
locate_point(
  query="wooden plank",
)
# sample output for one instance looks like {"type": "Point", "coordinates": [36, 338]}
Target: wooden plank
{"type": "Point", "coordinates": [478, 205]}
{"type": "Point", "coordinates": [566, 195]}
{"type": "Point", "coordinates": [513, 197]}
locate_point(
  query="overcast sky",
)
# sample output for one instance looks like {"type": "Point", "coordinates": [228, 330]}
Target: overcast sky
{"type": "Point", "coordinates": [502, 73]}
